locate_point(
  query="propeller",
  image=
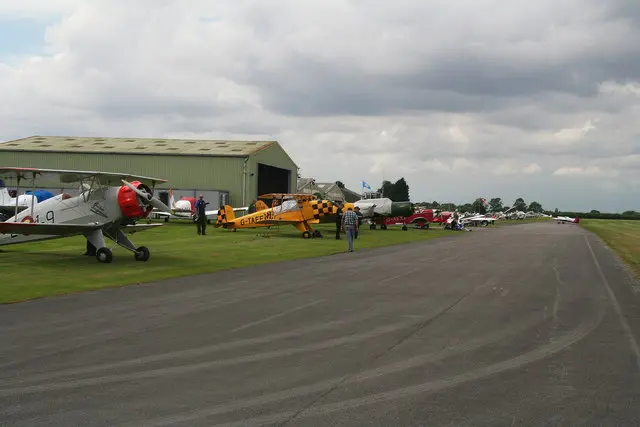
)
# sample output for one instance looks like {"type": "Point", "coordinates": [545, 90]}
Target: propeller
{"type": "Point", "coordinates": [147, 197]}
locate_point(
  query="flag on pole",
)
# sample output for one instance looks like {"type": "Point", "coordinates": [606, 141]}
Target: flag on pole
{"type": "Point", "coordinates": [365, 185]}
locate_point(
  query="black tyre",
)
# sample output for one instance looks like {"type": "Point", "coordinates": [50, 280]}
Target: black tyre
{"type": "Point", "coordinates": [104, 255]}
{"type": "Point", "coordinates": [142, 254]}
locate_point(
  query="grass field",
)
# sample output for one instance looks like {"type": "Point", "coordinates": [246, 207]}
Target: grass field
{"type": "Point", "coordinates": [57, 266]}
{"type": "Point", "coordinates": [621, 236]}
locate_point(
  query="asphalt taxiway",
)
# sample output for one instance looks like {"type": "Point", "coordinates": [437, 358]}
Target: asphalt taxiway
{"type": "Point", "coordinates": [531, 325]}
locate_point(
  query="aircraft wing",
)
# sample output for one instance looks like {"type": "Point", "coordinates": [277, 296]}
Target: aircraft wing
{"type": "Point", "coordinates": [70, 176]}
{"type": "Point", "coordinates": [215, 212]}
{"type": "Point", "coordinates": [130, 229]}
{"type": "Point", "coordinates": [46, 229]}
{"type": "Point", "coordinates": [301, 197]}
{"type": "Point", "coordinates": [279, 221]}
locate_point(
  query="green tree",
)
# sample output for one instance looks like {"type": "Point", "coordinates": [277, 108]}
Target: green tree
{"type": "Point", "coordinates": [435, 205]}
{"type": "Point", "coordinates": [400, 191]}
{"type": "Point", "coordinates": [535, 207]}
{"type": "Point", "coordinates": [495, 204]}
{"type": "Point", "coordinates": [467, 207]}
{"type": "Point", "coordinates": [478, 206]}
{"type": "Point", "coordinates": [520, 204]}
{"type": "Point", "coordinates": [387, 189]}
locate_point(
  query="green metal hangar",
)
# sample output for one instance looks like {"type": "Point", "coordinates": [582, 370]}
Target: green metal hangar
{"type": "Point", "coordinates": [231, 172]}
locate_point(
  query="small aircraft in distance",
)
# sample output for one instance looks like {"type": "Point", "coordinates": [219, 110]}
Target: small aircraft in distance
{"type": "Point", "coordinates": [185, 208]}
{"type": "Point", "coordinates": [101, 209]}
{"type": "Point", "coordinates": [299, 210]}
{"type": "Point", "coordinates": [565, 219]}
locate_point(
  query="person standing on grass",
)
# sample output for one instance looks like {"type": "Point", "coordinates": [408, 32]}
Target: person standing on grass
{"type": "Point", "coordinates": [338, 220]}
{"type": "Point", "coordinates": [201, 215]}
{"type": "Point", "coordinates": [350, 226]}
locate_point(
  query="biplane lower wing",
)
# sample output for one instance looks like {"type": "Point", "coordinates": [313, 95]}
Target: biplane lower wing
{"type": "Point", "coordinates": [278, 222]}
{"type": "Point", "coordinates": [46, 229]}
{"type": "Point", "coordinates": [130, 229]}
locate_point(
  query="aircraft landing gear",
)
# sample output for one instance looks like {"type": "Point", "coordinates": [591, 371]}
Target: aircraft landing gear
{"type": "Point", "coordinates": [306, 235]}
{"type": "Point", "coordinates": [104, 255]}
{"type": "Point", "coordinates": [141, 254]}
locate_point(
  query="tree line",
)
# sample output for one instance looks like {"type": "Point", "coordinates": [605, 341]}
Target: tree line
{"type": "Point", "coordinates": [399, 192]}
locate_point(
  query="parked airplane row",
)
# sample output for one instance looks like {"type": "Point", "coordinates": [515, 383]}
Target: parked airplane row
{"type": "Point", "coordinates": [111, 204]}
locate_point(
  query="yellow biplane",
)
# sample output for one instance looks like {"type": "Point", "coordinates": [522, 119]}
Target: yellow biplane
{"type": "Point", "coordinates": [299, 210]}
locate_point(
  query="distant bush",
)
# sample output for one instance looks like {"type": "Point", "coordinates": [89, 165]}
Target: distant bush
{"type": "Point", "coordinates": [628, 215]}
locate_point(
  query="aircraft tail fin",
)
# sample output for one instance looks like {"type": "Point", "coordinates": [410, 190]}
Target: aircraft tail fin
{"type": "Point", "coordinates": [260, 205]}
{"type": "Point", "coordinates": [225, 215]}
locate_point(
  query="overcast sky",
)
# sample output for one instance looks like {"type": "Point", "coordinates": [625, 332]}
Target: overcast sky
{"type": "Point", "coordinates": [462, 98]}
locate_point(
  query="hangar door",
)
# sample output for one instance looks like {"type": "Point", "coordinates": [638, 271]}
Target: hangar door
{"type": "Point", "coordinates": [273, 180]}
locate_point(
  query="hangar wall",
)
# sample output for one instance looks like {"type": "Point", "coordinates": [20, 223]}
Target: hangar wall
{"type": "Point", "coordinates": [186, 173]}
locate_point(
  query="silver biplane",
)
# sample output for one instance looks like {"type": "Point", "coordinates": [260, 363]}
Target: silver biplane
{"type": "Point", "coordinates": [107, 205]}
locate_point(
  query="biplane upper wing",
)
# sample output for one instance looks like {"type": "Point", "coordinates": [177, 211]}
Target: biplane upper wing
{"type": "Point", "coordinates": [287, 196]}
{"type": "Point", "coordinates": [46, 229]}
{"type": "Point", "coordinates": [70, 176]}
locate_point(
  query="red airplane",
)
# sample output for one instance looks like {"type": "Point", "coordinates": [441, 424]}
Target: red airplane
{"type": "Point", "coordinates": [421, 217]}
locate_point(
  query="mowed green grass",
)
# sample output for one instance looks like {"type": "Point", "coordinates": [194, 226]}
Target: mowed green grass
{"type": "Point", "coordinates": [54, 267]}
{"type": "Point", "coordinates": [621, 236]}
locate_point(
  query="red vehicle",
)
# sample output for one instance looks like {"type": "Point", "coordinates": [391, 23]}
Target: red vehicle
{"type": "Point", "coordinates": [421, 217]}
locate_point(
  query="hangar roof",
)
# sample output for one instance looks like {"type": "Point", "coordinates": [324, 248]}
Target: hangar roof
{"type": "Point", "coordinates": [137, 146]}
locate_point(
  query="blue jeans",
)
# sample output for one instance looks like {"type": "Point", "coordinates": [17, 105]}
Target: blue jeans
{"type": "Point", "coordinates": [351, 231]}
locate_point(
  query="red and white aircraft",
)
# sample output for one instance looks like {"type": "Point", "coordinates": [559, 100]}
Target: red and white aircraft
{"type": "Point", "coordinates": [185, 208]}
{"type": "Point", "coordinates": [565, 219]}
{"type": "Point", "coordinates": [107, 205]}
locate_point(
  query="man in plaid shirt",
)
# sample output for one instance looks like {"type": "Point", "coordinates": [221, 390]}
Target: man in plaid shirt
{"type": "Point", "coordinates": [350, 225]}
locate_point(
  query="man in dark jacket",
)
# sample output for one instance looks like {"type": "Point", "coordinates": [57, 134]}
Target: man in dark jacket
{"type": "Point", "coordinates": [338, 221]}
{"type": "Point", "coordinates": [201, 215]}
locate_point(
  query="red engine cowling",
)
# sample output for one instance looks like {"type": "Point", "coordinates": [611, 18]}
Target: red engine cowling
{"type": "Point", "coordinates": [129, 203]}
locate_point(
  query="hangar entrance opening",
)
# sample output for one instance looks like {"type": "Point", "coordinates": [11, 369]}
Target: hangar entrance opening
{"type": "Point", "coordinates": [273, 180]}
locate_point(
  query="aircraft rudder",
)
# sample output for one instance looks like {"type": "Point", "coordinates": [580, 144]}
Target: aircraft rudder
{"type": "Point", "coordinates": [225, 215]}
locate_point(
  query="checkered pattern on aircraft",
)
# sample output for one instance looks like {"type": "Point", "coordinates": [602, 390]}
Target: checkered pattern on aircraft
{"type": "Point", "coordinates": [222, 216]}
{"type": "Point", "coordinates": [321, 208]}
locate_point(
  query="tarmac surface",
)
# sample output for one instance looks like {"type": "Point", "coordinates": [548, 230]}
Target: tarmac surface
{"type": "Point", "coordinates": [529, 325]}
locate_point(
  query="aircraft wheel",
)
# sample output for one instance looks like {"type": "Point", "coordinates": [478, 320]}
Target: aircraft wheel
{"type": "Point", "coordinates": [404, 227]}
{"type": "Point", "coordinates": [383, 227]}
{"type": "Point", "coordinates": [104, 255]}
{"type": "Point", "coordinates": [142, 254]}
{"type": "Point", "coordinates": [166, 219]}
{"type": "Point", "coordinates": [306, 235]}
{"type": "Point", "coordinates": [372, 227]}
{"type": "Point", "coordinates": [316, 233]}
{"type": "Point", "coordinates": [484, 223]}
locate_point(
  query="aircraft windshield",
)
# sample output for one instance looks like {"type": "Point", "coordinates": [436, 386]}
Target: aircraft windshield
{"type": "Point", "coordinates": [286, 206]}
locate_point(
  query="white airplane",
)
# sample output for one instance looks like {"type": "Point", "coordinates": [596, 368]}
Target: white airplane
{"type": "Point", "coordinates": [8, 204]}
{"type": "Point", "coordinates": [107, 205]}
{"type": "Point", "coordinates": [185, 208]}
{"type": "Point", "coordinates": [565, 219]}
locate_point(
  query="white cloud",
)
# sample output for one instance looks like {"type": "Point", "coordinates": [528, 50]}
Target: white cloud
{"type": "Point", "coordinates": [352, 90]}
{"type": "Point", "coordinates": [532, 168]}
{"type": "Point", "coordinates": [589, 171]}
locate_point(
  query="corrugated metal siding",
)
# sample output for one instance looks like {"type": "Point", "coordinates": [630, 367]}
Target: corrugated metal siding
{"type": "Point", "coordinates": [274, 155]}
{"type": "Point", "coordinates": [184, 172]}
